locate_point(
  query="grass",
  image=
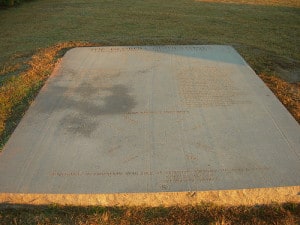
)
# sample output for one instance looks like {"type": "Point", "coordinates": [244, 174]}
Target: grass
{"type": "Point", "coordinates": [268, 32]}
{"type": "Point", "coordinates": [37, 33]}
{"type": "Point", "coordinates": [284, 214]}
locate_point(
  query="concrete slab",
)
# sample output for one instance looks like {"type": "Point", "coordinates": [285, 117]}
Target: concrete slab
{"type": "Point", "coordinates": [151, 119]}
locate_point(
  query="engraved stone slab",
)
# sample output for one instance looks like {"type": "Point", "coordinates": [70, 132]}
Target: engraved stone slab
{"type": "Point", "coordinates": [152, 119]}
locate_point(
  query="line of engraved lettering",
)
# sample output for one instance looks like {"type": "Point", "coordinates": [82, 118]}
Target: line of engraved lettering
{"type": "Point", "coordinates": [202, 48]}
{"type": "Point", "coordinates": [86, 173]}
{"type": "Point", "coordinates": [146, 173]}
{"type": "Point", "coordinates": [170, 173]}
{"type": "Point", "coordinates": [233, 169]}
{"type": "Point", "coordinates": [164, 48]}
{"type": "Point", "coordinates": [197, 175]}
{"type": "Point", "coordinates": [203, 175]}
{"type": "Point", "coordinates": [177, 171]}
{"type": "Point", "coordinates": [65, 174]}
{"type": "Point", "coordinates": [190, 179]}
{"type": "Point", "coordinates": [130, 158]}
{"type": "Point", "coordinates": [197, 48]}
{"type": "Point", "coordinates": [192, 176]}
{"type": "Point", "coordinates": [244, 169]}
{"type": "Point", "coordinates": [150, 173]}
{"type": "Point", "coordinates": [154, 48]}
{"type": "Point", "coordinates": [131, 173]}
{"type": "Point", "coordinates": [113, 49]}
{"type": "Point", "coordinates": [135, 48]}
{"type": "Point", "coordinates": [157, 112]}
{"type": "Point", "coordinates": [109, 174]}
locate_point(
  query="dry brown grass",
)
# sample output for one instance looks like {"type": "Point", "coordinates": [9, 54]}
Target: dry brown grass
{"type": "Point", "coordinates": [9, 68]}
{"type": "Point", "coordinates": [287, 93]}
{"type": "Point", "coordinates": [289, 3]}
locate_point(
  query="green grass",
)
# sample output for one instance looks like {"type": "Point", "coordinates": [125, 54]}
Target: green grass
{"type": "Point", "coordinates": [267, 36]}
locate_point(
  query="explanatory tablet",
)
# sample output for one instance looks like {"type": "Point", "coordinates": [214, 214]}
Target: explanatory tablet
{"type": "Point", "coordinates": [152, 119]}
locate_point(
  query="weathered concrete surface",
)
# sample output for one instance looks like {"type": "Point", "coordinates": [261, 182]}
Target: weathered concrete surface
{"type": "Point", "coordinates": [152, 119]}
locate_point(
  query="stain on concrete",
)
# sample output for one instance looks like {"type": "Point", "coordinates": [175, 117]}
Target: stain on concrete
{"type": "Point", "coordinates": [86, 90]}
{"type": "Point", "coordinates": [88, 102]}
{"type": "Point", "coordinates": [78, 125]}
{"type": "Point", "coordinates": [117, 101]}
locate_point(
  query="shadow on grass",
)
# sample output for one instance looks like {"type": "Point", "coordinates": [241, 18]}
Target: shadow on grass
{"type": "Point", "coordinates": [287, 213]}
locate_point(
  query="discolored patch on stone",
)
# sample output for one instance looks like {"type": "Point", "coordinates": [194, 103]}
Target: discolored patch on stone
{"type": "Point", "coordinates": [78, 125]}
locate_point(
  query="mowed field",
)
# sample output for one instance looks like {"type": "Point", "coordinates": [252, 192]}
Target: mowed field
{"type": "Point", "coordinates": [34, 35]}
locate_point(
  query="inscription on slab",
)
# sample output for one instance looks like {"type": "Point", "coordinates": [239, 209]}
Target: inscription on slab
{"type": "Point", "coordinates": [152, 119]}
